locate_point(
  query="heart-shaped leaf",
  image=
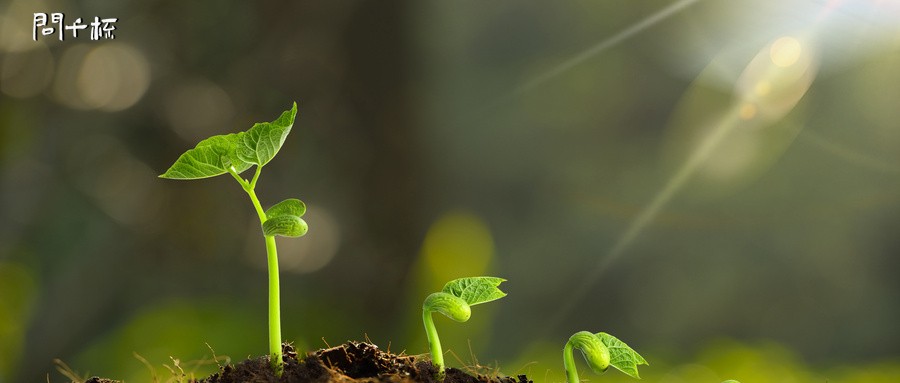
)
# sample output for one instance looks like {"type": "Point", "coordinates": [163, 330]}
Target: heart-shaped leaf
{"type": "Point", "coordinates": [475, 290]}
{"type": "Point", "coordinates": [215, 155]}
{"type": "Point", "coordinates": [290, 206]}
{"type": "Point", "coordinates": [285, 226]}
{"type": "Point", "coordinates": [622, 357]}
{"type": "Point", "coordinates": [261, 143]}
{"type": "Point", "coordinates": [211, 157]}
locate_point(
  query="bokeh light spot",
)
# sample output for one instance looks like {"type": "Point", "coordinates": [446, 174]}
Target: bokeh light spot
{"type": "Point", "coordinates": [197, 109]}
{"type": "Point", "coordinates": [785, 51]}
{"type": "Point", "coordinates": [763, 88]}
{"type": "Point", "coordinates": [65, 89]}
{"type": "Point", "coordinates": [15, 33]}
{"type": "Point", "coordinates": [458, 244]}
{"type": "Point", "coordinates": [747, 111]}
{"type": "Point", "coordinates": [777, 78]}
{"type": "Point", "coordinates": [309, 253]}
{"type": "Point", "coordinates": [113, 77]}
{"type": "Point", "coordinates": [122, 185]}
{"type": "Point", "coordinates": [26, 74]}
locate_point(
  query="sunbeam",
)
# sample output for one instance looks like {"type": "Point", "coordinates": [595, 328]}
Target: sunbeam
{"type": "Point", "coordinates": [769, 87]}
{"type": "Point", "coordinates": [602, 46]}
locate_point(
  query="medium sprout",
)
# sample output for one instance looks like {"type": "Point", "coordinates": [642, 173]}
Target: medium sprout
{"type": "Point", "coordinates": [600, 351]}
{"type": "Point", "coordinates": [455, 301]}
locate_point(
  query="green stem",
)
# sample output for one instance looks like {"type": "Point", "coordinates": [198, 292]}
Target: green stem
{"type": "Point", "coordinates": [255, 177]}
{"type": "Point", "coordinates": [569, 363]}
{"type": "Point", "coordinates": [274, 306]}
{"type": "Point", "coordinates": [274, 289]}
{"type": "Point", "coordinates": [437, 353]}
{"type": "Point", "coordinates": [243, 182]}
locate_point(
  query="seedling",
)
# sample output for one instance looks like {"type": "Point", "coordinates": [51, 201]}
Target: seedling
{"type": "Point", "coordinates": [601, 350]}
{"type": "Point", "coordinates": [455, 301]}
{"type": "Point", "coordinates": [233, 154]}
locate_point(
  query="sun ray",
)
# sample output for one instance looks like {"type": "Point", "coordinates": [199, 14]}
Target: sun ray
{"type": "Point", "coordinates": [602, 46]}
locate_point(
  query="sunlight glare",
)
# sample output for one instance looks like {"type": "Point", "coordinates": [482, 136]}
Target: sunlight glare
{"type": "Point", "coordinates": [785, 51]}
{"type": "Point", "coordinates": [747, 111]}
{"type": "Point", "coordinates": [776, 79]}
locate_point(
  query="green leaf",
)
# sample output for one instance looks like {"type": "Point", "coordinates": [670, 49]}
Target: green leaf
{"type": "Point", "coordinates": [285, 226]}
{"type": "Point", "coordinates": [622, 357]}
{"type": "Point", "coordinates": [211, 157]}
{"type": "Point", "coordinates": [290, 206]}
{"type": "Point", "coordinates": [261, 143]}
{"type": "Point", "coordinates": [475, 290]}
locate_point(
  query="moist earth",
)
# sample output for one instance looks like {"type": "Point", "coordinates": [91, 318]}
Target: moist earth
{"type": "Point", "coordinates": [352, 362]}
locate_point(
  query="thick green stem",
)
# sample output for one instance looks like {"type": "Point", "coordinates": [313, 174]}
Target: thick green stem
{"type": "Point", "coordinates": [274, 306]}
{"type": "Point", "coordinates": [569, 363]}
{"type": "Point", "coordinates": [274, 289]}
{"type": "Point", "coordinates": [437, 353]}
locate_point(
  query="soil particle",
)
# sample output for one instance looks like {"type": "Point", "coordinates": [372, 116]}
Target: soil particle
{"type": "Point", "coordinates": [352, 362]}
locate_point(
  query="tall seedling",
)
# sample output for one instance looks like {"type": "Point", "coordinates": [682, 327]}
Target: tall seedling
{"type": "Point", "coordinates": [233, 154]}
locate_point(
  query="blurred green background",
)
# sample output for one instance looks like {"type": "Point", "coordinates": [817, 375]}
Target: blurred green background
{"type": "Point", "coordinates": [717, 183]}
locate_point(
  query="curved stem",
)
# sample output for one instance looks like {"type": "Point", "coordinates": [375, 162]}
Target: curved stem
{"type": "Point", "coordinates": [437, 354]}
{"type": "Point", "coordinates": [569, 363]}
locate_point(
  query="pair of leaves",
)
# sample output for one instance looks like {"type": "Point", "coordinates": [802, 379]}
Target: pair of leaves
{"type": "Point", "coordinates": [284, 219]}
{"type": "Point", "coordinates": [216, 155]}
{"type": "Point", "coordinates": [475, 290]}
{"type": "Point", "coordinates": [622, 357]}
{"type": "Point", "coordinates": [457, 296]}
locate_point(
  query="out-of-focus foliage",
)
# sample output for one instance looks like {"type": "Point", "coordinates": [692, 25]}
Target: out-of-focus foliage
{"type": "Point", "coordinates": [17, 293]}
{"type": "Point", "coordinates": [189, 331]}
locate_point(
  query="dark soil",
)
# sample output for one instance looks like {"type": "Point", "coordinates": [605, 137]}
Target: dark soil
{"type": "Point", "coordinates": [351, 362]}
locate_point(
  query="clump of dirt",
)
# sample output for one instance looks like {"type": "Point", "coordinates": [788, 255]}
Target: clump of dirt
{"type": "Point", "coordinates": [352, 362]}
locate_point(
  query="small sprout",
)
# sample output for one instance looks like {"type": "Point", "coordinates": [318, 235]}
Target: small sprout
{"type": "Point", "coordinates": [600, 350]}
{"type": "Point", "coordinates": [455, 301]}
{"type": "Point", "coordinates": [233, 154]}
